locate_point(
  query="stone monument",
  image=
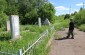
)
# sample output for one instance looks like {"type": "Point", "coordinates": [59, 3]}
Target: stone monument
{"type": "Point", "coordinates": [8, 26]}
{"type": "Point", "coordinates": [39, 22]}
{"type": "Point", "coordinates": [14, 24]}
{"type": "Point", "coordinates": [47, 22]}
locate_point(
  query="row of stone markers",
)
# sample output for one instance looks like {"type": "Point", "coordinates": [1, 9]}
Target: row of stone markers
{"type": "Point", "coordinates": [46, 22]}
{"type": "Point", "coordinates": [13, 25]}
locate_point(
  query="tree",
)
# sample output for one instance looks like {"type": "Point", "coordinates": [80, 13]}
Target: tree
{"type": "Point", "coordinates": [2, 5]}
{"type": "Point", "coordinates": [30, 10]}
{"type": "Point", "coordinates": [3, 19]}
{"type": "Point", "coordinates": [80, 17]}
{"type": "Point", "coordinates": [12, 8]}
{"type": "Point", "coordinates": [3, 16]}
{"type": "Point", "coordinates": [67, 16]}
{"type": "Point", "coordinates": [73, 14]}
{"type": "Point", "coordinates": [81, 9]}
{"type": "Point", "coordinates": [47, 11]}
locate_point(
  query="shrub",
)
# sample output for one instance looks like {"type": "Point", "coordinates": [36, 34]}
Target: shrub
{"type": "Point", "coordinates": [80, 18]}
{"type": "Point", "coordinates": [2, 29]}
{"type": "Point", "coordinates": [5, 36]}
{"type": "Point", "coordinates": [3, 19]}
{"type": "Point", "coordinates": [82, 27]}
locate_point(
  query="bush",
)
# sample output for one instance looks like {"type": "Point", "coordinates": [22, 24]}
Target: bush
{"type": "Point", "coordinates": [3, 19]}
{"type": "Point", "coordinates": [5, 36]}
{"type": "Point", "coordinates": [61, 23]}
{"type": "Point", "coordinates": [80, 18]}
{"type": "Point", "coordinates": [2, 29]}
{"type": "Point", "coordinates": [82, 27]}
{"type": "Point", "coordinates": [67, 16]}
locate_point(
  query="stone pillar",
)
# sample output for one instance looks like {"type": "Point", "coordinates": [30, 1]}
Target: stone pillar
{"type": "Point", "coordinates": [47, 22]}
{"type": "Point", "coordinates": [39, 22]}
{"type": "Point", "coordinates": [8, 26]}
{"type": "Point", "coordinates": [14, 24]}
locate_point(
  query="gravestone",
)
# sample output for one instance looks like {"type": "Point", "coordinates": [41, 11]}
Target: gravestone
{"type": "Point", "coordinates": [47, 22]}
{"type": "Point", "coordinates": [8, 26]}
{"type": "Point", "coordinates": [39, 22]}
{"type": "Point", "coordinates": [14, 23]}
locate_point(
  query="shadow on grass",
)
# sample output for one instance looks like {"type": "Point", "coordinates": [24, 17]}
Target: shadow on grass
{"type": "Point", "coordinates": [5, 38]}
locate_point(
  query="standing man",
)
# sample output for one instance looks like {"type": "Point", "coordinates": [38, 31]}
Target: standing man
{"type": "Point", "coordinates": [71, 28]}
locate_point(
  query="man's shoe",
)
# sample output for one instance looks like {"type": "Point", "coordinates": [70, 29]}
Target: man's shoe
{"type": "Point", "coordinates": [72, 37]}
{"type": "Point", "coordinates": [67, 37]}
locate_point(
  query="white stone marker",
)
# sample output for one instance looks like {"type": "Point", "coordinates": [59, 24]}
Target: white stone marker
{"type": "Point", "coordinates": [39, 22]}
{"type": "Point", "coordinates": [14, 23]}
{"type": "Point", "coordinates": [47, 22]}
{"type": "Point", "coordinates": [8, 26]}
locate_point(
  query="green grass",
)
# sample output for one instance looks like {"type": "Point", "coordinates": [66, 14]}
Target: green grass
{"type": "Point", "coordinates": [61, 24]}
{"type": "Point", "coordinates": [33, 28]}
{"type": "Point", "coordinates": [29, 34]}
{"type": "Point", "coordinates": [2, 29]}
{"type": "Point", "coordinates": [82, 27]}
{"type": "Point", "coordinates": [41, 49]}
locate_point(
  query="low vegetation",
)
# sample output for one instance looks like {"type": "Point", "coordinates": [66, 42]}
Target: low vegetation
{"type": "Point", "coordinates": [79, 19]}
{"type": "Point", "coordinates": [82, 27]}
{"type": "Point", "coordinates": [60, 23]}
{"type": "Point", "coordinates": [29, 34]}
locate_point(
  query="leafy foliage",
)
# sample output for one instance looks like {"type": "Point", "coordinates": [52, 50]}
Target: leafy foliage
{"type": "Point", "coordinates": [80, 17]}
{"type": "Point", "coordinates": [28, 10]}
{"type": "Point", "coordinates": [82, 27]}
{"type": "Point", "coordinates": [60, 23]}
{"type": "Point", "coordinates": [3, 16]}
{"type": "Point", "coordinates": [11, 7]}
{"type": "Point", "coordinates": [47, 11]}
{"type": "Point", "coordinates": [3, 19]}
{"type": "Point", "coordinates": [2, 5]}
{"type": "Point", "coordinates": [67, 16]}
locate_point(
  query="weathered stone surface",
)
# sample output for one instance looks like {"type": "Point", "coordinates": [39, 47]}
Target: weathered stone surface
{"type": "Point", "coordinates": [8, 26]}
{"type": "Point", "coordinates": [39, 22]}
{"type": "Point", "coordinates": [14, 23]}
{"type": "Point", "coordinates": [47, 22]}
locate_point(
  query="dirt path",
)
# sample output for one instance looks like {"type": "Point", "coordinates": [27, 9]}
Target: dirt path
{"type": "Point", "coordinates": [74, 46]}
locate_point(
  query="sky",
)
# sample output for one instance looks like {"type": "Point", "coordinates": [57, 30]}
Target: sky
{"type": "Point", "coordinates": [67, 6]}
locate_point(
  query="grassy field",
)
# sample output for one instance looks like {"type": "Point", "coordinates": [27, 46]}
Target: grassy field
{"type": "Point", "coordinates": [29, 34]}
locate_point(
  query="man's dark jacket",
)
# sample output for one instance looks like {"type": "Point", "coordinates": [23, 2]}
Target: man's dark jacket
{"type": "Point", "coordinates": [71, 26]}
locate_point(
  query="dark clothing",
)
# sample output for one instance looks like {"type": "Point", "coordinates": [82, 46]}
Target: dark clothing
{"type": "Point", "coordinates": [71, 26]}
{"type": "Point", "coordinates": [70, 33]}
